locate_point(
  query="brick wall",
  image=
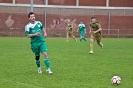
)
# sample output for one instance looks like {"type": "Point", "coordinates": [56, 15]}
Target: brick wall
{"type": "Point", "coordinates": [122, 22]}
{"type": "Point", "coordinates": [121, 3]}
{"type": "Point", "coordinates": [92, 2]}
{"type": "Point", "coordinates": [28, 2]}
{"type": "Point", "coordinates": [112, 3]}
{"type": "Point", "coordinates": [5, 1]}
{"type": "Point", "coordinates": [58, 21]}
{"type": "Point", "coordinates": [19, 19]}
{"type": "Point", "coordinates": [62, 2]}
{"type": "Point", "coordinates": [16, 17]}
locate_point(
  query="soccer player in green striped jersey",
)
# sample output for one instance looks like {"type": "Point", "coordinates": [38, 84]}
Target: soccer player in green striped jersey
{"type": "Point", "coordinates": [82, 30]}
{"type": "Point", "coordinates": [36, 32]}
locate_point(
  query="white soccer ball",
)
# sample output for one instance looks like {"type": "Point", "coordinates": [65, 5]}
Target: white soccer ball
{"type": "Point", "coordinates": [116, 80]}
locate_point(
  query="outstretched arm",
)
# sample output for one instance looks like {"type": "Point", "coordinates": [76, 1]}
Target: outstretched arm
{"type": "Point", "coordinates": [85, 30]}
{"type": "Point", "coordinates": [44, 33]}
{"type": "Point", "coordinates": [90, 30]}
{"type": "Point", "coordinates": [77, 29]}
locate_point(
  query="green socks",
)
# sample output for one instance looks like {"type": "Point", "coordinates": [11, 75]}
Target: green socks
{"type": "Point", "coordinates": [46, 61]}
{"type": "Point", "coordinates": [38, 63]}
{"type": "Point", "coordinates": [80, 39]}
{"type": "Point", "coordinates": [84, 39]}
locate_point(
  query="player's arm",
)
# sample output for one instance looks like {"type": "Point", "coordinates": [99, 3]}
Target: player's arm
{"type": "Point", "coordinates": [30, 35]}
{"type": "Point", "coordinates": [90, 30]}
{"type": "Point", "coordinates": [99, 28]}
{"type": "Point", "coordinates": [78, 29]}
{"type": "Point", "coordinates": [85, 29]}
{"type": "Point", "coordinates": [44, 32]}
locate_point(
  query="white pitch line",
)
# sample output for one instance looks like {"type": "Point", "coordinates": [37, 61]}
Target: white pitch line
{"type": "Point", "coordinates": [24, 84]}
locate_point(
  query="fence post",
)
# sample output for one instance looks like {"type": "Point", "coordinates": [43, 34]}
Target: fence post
{"type": "Point", "coordinates": [10, 32]}
{"type": "Point", "coordinates": [77, 2]}
{"type": "Point", "coordinates": [45, 19]}
{"type": "Point", "coordinates": [118, 33]}
{"type": "Point", "coordinates": [13, 1]}
{"type": "Point", "coordinates": [107, 3]}
{"type": "Point", "coordinates": [31, 7]}
{"type": "Point", "coordinates": [109, 23]}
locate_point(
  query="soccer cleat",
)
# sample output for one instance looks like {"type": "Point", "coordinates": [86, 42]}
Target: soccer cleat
{"type": "Point", "coordinates": [39, 71]}
{"type": "Point", "coordinates": [91, 52]}
{"type": "Point", "coordinates": [49, 71]}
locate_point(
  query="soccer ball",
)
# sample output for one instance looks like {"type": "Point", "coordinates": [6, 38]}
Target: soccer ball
{"type": "Point", "coordinates": [116, 80]}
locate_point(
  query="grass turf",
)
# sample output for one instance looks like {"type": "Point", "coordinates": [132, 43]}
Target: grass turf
{"type": "Point", "coordinates": [71, 63]}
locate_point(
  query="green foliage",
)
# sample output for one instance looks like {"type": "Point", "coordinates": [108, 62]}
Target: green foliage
{"type": "Point", "coordinates": [71, 63]}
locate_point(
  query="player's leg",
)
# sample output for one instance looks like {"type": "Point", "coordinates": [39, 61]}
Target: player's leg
{"type": "Point", "coordinates": [92, 37]}
{"type": "Point", "coordinates": [38, 64]}
{"type": "Point", "coordinates": [35, 50]}
{"type": "Point", "coordinates": [73, 36]}
{"type": "Point", "coordinates": [47, 63]}
{"type": "Point", "coordinates": [46, 59]}
{"type": "Point", "coordinates": [99, 41]}
{"type": "Point", "coordinates": [91, 45]}
{"type": "Point", "coordinates": [67, 36]}
{"type": "Point", "coordinates": [83, 36]}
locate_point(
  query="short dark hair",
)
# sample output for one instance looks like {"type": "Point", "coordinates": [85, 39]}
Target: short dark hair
{"type": "Point", "coordinates": [92, 17]}
{"type": "Point", "coordinates": [30, 14]}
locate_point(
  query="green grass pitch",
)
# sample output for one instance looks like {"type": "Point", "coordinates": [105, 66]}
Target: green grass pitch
{"type": "Point", "coordinates": [72, 65]}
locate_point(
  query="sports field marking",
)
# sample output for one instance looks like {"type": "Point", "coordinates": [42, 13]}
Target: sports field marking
{"type": "Point", "coordinates": [20, 83]}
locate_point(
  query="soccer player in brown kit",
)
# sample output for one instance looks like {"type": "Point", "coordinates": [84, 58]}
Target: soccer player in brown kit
{"type": "Point", "coordinates": [70, 31]}
{"type": "Point", "coordinates": [95, 33]}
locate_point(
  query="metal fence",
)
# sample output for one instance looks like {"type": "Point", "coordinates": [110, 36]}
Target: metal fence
{"type": "Point", "coordinates": [11, 32]}
{"type": "Point", "coordinates": [113, 33]}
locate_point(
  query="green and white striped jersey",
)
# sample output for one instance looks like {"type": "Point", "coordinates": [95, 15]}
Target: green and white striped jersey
{"type": "Point", "coordinates": [81, 27]}
{"type": "Point", "coordinates": [34, 28]}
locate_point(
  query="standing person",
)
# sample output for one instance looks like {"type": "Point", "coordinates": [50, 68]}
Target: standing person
{"type": "Point", "coordinates": [82, 30]}
{"type": "Point", "coordinates": [70, 31]}
{"type": "Point", "coordinates": [36, 32]}
{"type": "Point", "coordinates": [95, 34]}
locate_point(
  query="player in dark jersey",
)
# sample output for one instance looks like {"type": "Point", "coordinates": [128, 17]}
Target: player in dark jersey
{"type": "Point", "coordinates": [95, 34]}
{"type": "Point", "coordinates": [69, 30]}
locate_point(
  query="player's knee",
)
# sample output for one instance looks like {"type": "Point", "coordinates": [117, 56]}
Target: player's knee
{"type": "Point", "coordinates": [91, 40]}
{"type": "Point", "coordinates": [45, 54]}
